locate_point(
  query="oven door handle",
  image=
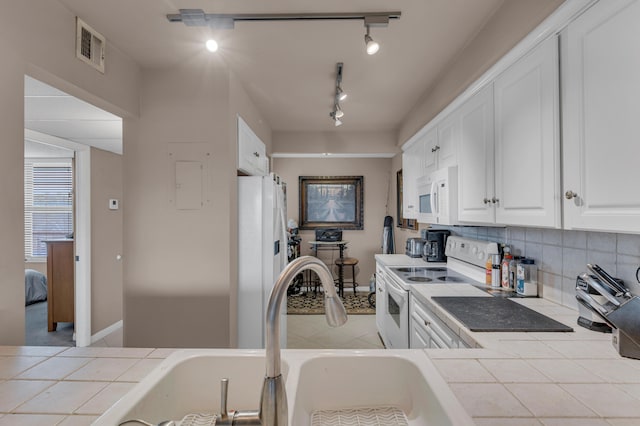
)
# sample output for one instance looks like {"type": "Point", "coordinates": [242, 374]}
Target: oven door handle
{"type": "Point", "coordinates": [394, 290]}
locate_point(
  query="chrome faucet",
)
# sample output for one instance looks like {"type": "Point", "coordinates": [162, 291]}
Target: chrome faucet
{"type": "Point", "coordinates": [273, 401]}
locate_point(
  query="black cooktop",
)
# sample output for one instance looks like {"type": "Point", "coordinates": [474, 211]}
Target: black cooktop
{"type": "Point", "coordinates": [497, 314]}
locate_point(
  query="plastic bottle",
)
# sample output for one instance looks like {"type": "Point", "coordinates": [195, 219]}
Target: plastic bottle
{"type": "Point", "coordinates": [495, 271]}
{"type": "Point", "coordinates": [513, 271]}
{"type": "Point", "coordinates": [504, 268]}
{"type": "Point", "coordinates": [527, 276]}
{"type": "Point", "coordinates": [488, 267]}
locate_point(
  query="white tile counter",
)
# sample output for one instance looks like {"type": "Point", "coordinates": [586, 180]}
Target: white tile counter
{"type": "Point", "coordinates": [538, 378]}
{"type": "Point", "coordinates": [514, 379]}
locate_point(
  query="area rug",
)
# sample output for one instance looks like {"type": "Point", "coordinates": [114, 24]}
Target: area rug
{"type": "Point", "coordinates": [306, 304]}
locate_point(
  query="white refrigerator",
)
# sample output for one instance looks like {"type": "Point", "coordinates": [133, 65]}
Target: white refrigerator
{"type": "Point", "coordinates": [262, 254]}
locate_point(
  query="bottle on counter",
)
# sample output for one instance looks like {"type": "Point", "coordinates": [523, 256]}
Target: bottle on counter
{"type": "Point", "coordinates": [495, 271]}
{"type": "Point", "coordinates": [527, 278]}
{"type": "Point", "coordinates": [513, 264]}
{"type": "Point", "coordinates": [488, 269]}
{"type": "Point", "coordinates": [504, 268]}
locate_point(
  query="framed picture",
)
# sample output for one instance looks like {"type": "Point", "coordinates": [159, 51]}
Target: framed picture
{"type": "Point", "coordinates": [331, 202]}
{"type": "Point", "coordinates": [402, 222]}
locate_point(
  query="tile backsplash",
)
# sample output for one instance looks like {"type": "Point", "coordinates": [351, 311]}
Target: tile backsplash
{"type": "Point", "coordinates": [561, 255]}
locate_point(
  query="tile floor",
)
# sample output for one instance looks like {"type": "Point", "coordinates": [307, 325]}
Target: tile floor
{"type": "Point", "coordinates": [313, 332]}
{"type": "Point", "coordinates": [308, 332]}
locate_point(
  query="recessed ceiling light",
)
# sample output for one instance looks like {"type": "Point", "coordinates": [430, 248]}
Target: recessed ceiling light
{"type": "Point", "coordinates": [212, 45]}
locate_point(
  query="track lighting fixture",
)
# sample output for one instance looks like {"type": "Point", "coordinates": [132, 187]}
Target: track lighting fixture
{"type": "Point", "coordinates": [372, 46]}
{"type": "Point", "coordinates": [197, 18]}
{"type": "Point", "coordinates": [342, 95]}
{"type": "Point", "coordinates": [211, 45]}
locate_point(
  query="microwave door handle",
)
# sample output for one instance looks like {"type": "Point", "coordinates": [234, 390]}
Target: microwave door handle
{"type": "Point", "coordinates": [434, 195]}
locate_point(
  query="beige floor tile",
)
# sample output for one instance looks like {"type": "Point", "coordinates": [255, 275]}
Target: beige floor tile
{"type": "Point", "coordinates": [549, 400]}
{"type": "Point", "coordinates": [15, 392]}
{"type": "Point", "coordinates": [606, 399]}
{"type": "Point", "coordinates": [55, 368]}
{"type": "Point", "coordinates": [31, 419]}
{"type": "Point", "coordinates": [62, 398]}
{"type": "Point", "coordinates": [612, 371]}
{"type": "Point", "coordinates": [139, 370]}
{"type": "Point", "coordinates": [11, 366]}
{"type": "Point", "coordinates": [103, 369]}
{"type": "Point", "coordinates": [463, 371]}
{"type": "Point", "coordinates": [514, 370]}
{"type": "Point", "coordinates": [506, 421]}
{"type": "Point", "coordinates": [573, 422]}
{"type": "Point", "coordinates": [77, 420]}
{"type": "Point", "coordinates": [623, 422]}
{"type": "Point", "coordinates": [564, 371]}
{"type": "Point", "coordinates": [631, 389]}
{"type": "Point", "coordinates": [488, 400]}
{"type": "Point", "coordinates": [105, 398]}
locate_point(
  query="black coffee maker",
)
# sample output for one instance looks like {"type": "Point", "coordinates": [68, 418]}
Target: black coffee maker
{"type": "Point", "coordinates": [435, 244]}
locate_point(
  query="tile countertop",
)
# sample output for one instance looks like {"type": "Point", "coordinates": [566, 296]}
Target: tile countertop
{"type": "Point", "coordinates": [514, 379]}
{"type": "Point", "coordinates": [537, 378]}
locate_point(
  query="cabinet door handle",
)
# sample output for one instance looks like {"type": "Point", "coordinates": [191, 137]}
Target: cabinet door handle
{"type": "Point", "coordinates": [427, 323]}
{"type": "Point", "coordinates": [569, 195]}
{"type": "Point", "coordinates": [435, 148]}
{"type": "Point", "coordinates": [255, 154]}
{"type": "Point", "coordinates": [495, 200]}
{"type": "Point", "coordinates": [486, 201]}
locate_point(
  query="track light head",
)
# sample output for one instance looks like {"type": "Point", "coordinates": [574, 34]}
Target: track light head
{"type": "Point", "coordinates": [211, 45]}
{"type": "Point", "coordinates": [338, 112]}
{"type": "Point", "coordinates": [372, 46]}
{"type": "Point", "coordinates": [337, 122]}
{"type": "Point", "coordinates": [340, 94]}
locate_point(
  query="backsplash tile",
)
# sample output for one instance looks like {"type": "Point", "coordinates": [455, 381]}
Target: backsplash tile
{"type": "Point", "coordinates": [561, 255]}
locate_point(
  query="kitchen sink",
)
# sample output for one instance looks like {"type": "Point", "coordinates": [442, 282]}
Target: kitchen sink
{"type": "Point", "coordinates": [188, 381]}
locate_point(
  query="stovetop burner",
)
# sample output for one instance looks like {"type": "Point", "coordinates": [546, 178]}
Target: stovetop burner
{"type": "Point", "coordinates": [436, 269]}
{"type": "Point", "coordinates": [419, 279]}
{"type": "Point", "coordinates": [450, 279]}
{"type": "Point", "coordinates": [412, 269]}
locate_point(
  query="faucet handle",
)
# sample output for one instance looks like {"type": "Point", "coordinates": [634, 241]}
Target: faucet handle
{"type": "Point", "coordinates": [224, 391]}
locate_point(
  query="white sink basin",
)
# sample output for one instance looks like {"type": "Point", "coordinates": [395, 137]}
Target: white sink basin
{"type": "Point", "coordinates": [189, 382]}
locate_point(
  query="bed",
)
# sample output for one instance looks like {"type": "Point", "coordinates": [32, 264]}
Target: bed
{"type": "Point", "coordinates": [35, 286]}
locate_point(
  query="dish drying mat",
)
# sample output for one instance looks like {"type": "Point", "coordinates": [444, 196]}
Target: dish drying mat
{"type": "Point", "coordinates": [188, 420]}
{"type": "Point", "coordinates": [366, 416]}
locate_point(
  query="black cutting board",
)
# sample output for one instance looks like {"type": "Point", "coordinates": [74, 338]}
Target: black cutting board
{"type": "Point", "coordinates": [497, 314]}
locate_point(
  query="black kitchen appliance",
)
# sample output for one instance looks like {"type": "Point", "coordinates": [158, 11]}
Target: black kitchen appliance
{"type": "Point", "coordinates": [435, 245]}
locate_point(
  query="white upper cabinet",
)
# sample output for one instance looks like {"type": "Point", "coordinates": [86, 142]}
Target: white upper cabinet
{"type": "Point", "coordinates": [601, 118]}
{"type": "Point", "coordinates": [475, 159]}
{"type": "Point", "coordinates": [430, 150]}
{"type": "Point", "coordinates": [448, 135]}
{"type": "Point", "coordinates": [527, 146]}
{"type": "Point", "coordinates": [412, 163]}
{"type": "Point", "coordinates": [252, 153]}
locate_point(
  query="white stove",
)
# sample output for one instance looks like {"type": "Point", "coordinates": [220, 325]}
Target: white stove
{"type": "Point", "coordinates": [465, 264]}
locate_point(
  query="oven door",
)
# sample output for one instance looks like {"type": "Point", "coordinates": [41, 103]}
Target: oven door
{"type": "Point", "coordinates": [396, 316]}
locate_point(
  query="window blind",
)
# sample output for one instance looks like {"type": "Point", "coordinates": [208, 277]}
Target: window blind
{"type": "Point", "coordinates": [48, 207]}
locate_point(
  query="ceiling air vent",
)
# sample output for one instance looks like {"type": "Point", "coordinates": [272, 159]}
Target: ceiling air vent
{"type": "Point", "coordinates": [89, 45]}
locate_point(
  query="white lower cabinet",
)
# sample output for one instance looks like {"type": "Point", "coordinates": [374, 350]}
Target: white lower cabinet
{"type": "Point", "coordinates": [427, 331]}
{"type": "Point", "coordinates": [601, 118]}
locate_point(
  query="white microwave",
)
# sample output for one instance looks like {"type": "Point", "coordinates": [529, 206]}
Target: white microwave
{"type": "Point", "coordinates": [438, 197]}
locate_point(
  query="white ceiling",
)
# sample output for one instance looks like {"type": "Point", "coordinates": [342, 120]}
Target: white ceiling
{"type": "Point", "coordinates": [50, 111]}
{"type": "Point", "coordinates": [288, 68]}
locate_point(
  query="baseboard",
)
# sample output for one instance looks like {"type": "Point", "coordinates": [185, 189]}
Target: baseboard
{"type": "Point", "coordinates": [106, 331]}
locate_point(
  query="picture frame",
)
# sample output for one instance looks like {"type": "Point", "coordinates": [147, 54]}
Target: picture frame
{"type": "Point", "coordinates": [402, 222]}
{"type": "Point", "coordinates": [331, 202]}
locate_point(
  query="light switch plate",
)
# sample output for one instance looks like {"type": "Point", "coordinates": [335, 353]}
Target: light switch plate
{"type": "Point", "coordinates": [113, 204]}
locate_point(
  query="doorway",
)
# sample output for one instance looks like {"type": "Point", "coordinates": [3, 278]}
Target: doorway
{"type": "Point", "coordinates": [55, 119]}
